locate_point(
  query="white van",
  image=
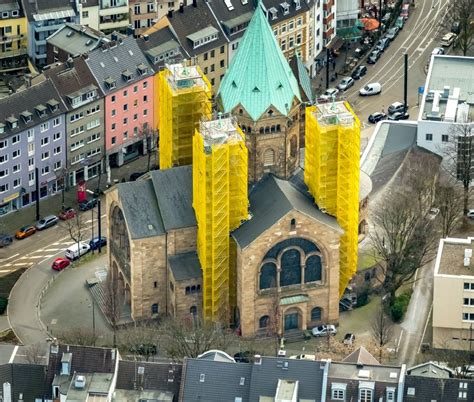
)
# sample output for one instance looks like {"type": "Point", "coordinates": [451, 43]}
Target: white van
{"type": "Point", "coordinates": [448, 39]}
{"type": "Point", "coordinates": [371, 89]}
{"type": "Point", "coordinates": [76, 250]}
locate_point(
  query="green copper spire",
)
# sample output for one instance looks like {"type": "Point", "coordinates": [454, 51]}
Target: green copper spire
{"type": "Point", "coordinates": [259, 75]}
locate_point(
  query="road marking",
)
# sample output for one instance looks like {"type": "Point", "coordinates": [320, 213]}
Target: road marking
{"type": "Point", "coordinates": [54, 321]}
{"type": "Point", "coordinates": [5, 270]}
{"type": "Point", "coordinates": [54, 249]}
{"type": "Point", "coordinates": [22, 264]}
{"type": "Point", "coordinates": [9, 258]}
{"type": "Point", "coordinates": [9, 264]}
{"type": "Point", "coordinates": [31, 257]}
{"type": "Point", "coordinates": [424, 331]}
{"type": "Point", "coordinates": [399, 340]}
{"type": "Point", "coordinates": [12, 357]}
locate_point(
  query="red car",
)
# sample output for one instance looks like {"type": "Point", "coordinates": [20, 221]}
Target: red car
{"type": "Point", "coordinates": [60, 263]}
{"type": "Point", "coordinates": [67, 213]}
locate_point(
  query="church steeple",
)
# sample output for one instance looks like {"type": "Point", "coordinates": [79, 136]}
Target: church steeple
{"type": "Point", "coordinates": [259, 76]}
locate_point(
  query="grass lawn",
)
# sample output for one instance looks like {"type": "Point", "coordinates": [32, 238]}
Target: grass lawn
{"type": "Point", "coordinates": [7, 282]}
{"type": "Point", "coordinates": [367, 259]}
{"type": "Point", "coordinates": [358, 321]}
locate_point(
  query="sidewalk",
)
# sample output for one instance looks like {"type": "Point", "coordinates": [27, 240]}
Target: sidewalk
{"type": "Point", "coordinates": [11, 222]}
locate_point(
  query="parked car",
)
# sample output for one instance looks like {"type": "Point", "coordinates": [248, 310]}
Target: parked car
{"type": "Point", "coordinates": [330, 92]}
{"type": "Point", "coordinates": [243, 357]}
{"type": "Point", "coordinates": [47, 222]}
{"type": "Point", "coordinates": [346, 83]}
{"type": "Point", "coordinates": [136, 175]}
{"type": "Point", "coordinates": [437, 50]}
{"type": "Point", "coordinates": [433, 213]}
{"type": "Point", "coordinates": [405, 11]}
{"type": "Point", "coordinates": [448, 39]}
{"type": "Point", "coordinates": [349, 339]}
{"type": "Point", "coordinates": [371, 89]}
{"type": "Point", "coordinates": [77, 250]}
{"type": "Point", "coordinates": [359, 72]}
{"type": "Point", "coordinates": [392, 33]}
{"type": "Point", "coordinates": [376, 117]}
{"type": "Point", "coordinates": [89, 204]}
{"type": "Point", "coordinates": [25, 231]}
{"type": "Point", "coordinates": [399, 116]}
{"type": "Point", "coordinates": [60, 263]}
{"type": "Point", "coordinates": [324, 330]}
{"type": "Point", "coordinates": [382, 44]}
{"type": "Point", "coordinates": [94, 243]}
{"type": "Point", "coordinates": [67, 213]}
{"type": "Point", "coordinates": [396, 107]}
{"type": "Point", "coordinates": [456, 27]}
{"type": "Point", "coordinates": [5, 239]}
{"type": "Point", "coordinates": [400, 22]}
{"type": "Point", "coordinates": [386, 18]}
{"type": "Point", "coordinates": [470, 214]}
{"type": "Point", "coordinates": [374, 56]}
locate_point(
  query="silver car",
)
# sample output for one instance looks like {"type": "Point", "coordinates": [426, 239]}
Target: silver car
{"type": "Point", "coordinates": [346, 83]}
{"type": "Point", "coordinates": [47, 222]}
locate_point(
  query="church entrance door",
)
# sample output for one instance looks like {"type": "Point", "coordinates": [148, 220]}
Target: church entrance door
{"type": "Point", "coordinates": [291, 321]}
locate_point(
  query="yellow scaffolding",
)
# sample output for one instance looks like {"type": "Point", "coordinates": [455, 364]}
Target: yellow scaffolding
{"type": "Point", "coordinates": [184, 98]}
{"type": "Point", "coordinates": [332, 171]}
{"type": "Point", "coordinates": [220, 202]}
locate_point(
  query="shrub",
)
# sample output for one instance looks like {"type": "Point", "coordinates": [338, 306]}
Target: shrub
{"type": "Point", "coordinates": [363, 296]}
{"type": "Point", "coordinates": [3, 304]}
{"type": "Point", "coordinates": [399, 306]}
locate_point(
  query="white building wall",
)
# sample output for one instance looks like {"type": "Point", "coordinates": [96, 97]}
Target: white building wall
{"type": "Point", "coordinates": [437, 129]}
{"type": "Point", "coordinates": [88, 15]}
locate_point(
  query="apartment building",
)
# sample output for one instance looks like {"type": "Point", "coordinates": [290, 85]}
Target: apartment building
{"type": "Point", "coordinates": [44, 18]}
{"type": "Point", "coordinates": [32, 138]}
{"type": "Point", "coordinates": [143, 14]}
{"type": "Point", "coordinates": [125, 76]}
{"type": "Point", "coordinates": [88, 12]}
{"type": "Point", "coordinates": [113, 15]}
{"type": "Point", "coordinates": [13, 33]}
{"type": "Point", "coordinates": [85, 135]}
{"type": "Point", "coordinates": [329, 21]}
{"type": "Point", "coordinates": [453, 295]}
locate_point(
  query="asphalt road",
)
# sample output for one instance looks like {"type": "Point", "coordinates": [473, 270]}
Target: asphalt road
{"type": "Point", "coordinates": [420, 35]}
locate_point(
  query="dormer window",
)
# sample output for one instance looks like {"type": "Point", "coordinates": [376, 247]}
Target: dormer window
{"type": "Point", "coordinates": [26, 116]}
{"type": "Point", "coordinates": [255, 89]}
{"type": "Point", "coordinates": [53, 105]}
{"type": "Point", "coordinates": [366, 391]}
{"type": "Point", "coordinates": [110, 83]}
{"type": "Point", "coordinates": [12, 121]}
{"type": "Point", "coordinates": [338, 391]}
{"type": "Point", "coordinates": [142, 69]}
{"type": "Point", "coordinates": [297, 4]}
{"type": "Point", "coordinates": [273, 13]}
{"type": "Point", "coordinates": [40, 110]}
{"type": "Point", "coordinates": [203, 36]}
{"type": "Point", "coordinates": [127, 75]}
{"type": "Point", "coordinates": [285, 7]}
{"type": "Point", "coordinates": [2, 128]}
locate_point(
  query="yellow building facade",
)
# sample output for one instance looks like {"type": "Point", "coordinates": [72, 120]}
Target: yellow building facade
{"type": "Point", "coordinates": [13, 38]}
{"type": "Point", "coordinates": [220, 202]}
{"type": "Point", "coordinates": [332, 171]}
{"type": "Point", "coordinates": [184, 97]}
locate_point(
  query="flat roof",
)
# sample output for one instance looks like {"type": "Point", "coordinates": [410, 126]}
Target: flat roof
{"type": "Point", "coordinates": [449, 90]}
{"type": "Point", "coordinates": [450, 259]}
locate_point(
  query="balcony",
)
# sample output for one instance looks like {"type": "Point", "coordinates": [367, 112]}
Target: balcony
{"type": "Point", "coordinates": [113, 11]}
{"type": "Point", "coordinates": [12, 53]}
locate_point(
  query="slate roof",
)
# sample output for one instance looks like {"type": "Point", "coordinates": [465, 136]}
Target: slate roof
{"type": "Point", "coordinates": [159, 43]}
{"type": "Point", "coordinates": [76, 39]}
{"type": "Point", "coordinates": [68, 80]}
{"type": "Point", "coordinates": [425, 389]}
{"type": "Point", "coordinates": [174, 193]}
{"type": "Point", "coordinates": [430, 369]}
{"type": "Point", "coordinates": [270, 200]}
{"type": "Point", "coordinates": [241, 13]}
{"type": "Point", "coordinates": [26, 379]}
{"type": "Point", "coordinates": [112, 59]}
{"type": "Point", "coordinates": [292, 11]}
{"type": "Point", "coordinates": [192, 20]}
{"type": "Point", "coordinates": [162, 376]}
{"type": "Point", "coordinates": [140, 209]}
{"type": "Point", "coordinates": [259, 76]}
{"type": "Point", "coordinates": [85, 359]}
{"type": "Point", "coordinates": [27, 100]}
{"type": "Point", "coordinates": [185, 266]}
{"type": "Point", "coordinates": [301, 74]}
{"type": "Point", "coordinates": [361, 356]}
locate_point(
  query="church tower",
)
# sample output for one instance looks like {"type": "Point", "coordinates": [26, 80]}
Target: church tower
{"type": "Point", "coordinates": [259, 88]}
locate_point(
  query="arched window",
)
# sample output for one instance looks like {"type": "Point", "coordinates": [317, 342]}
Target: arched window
{"type": "Point", "coordinates": [278, 127]}
{"type": "Point", "coordinates": [268, 275]}
{"type": "Point", "coordinates": [261, 130]}
{"type": "Point", "coordinates": [263, 322]}
{"type": "Point", "coordinates": [269, 157]}
{"type": "Point", "coordinates": [312, 270]}
{"type": "Point", "coordinates": [193, 310]}
{"type": "Point", "coordinates": [193, 289]}
{"type": "Point", "coordinates": [293, 224]}
{"type": "Point", "coordinates": [241, 111]}
{"type": "Point", "coordinates": [198, 288]}
{"type": "Point", "coordinates": [154, 308]}
{"type": "Point", "coordinates": [290, 268]}
{"type": "Point", "coordinates": [187, 290]}
{"type": "Point", "coordinates": [270, 112]}
{"type": "Point", "coordinates": [293, 146]}
{"type": "Point", "coordinates": [316, 314]}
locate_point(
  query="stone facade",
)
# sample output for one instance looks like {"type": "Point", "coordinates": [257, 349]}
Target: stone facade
{"type": "Point", "coordinates": [253, 303]}
{"type": "Point", "coordinates": [273, 142]}
{"type": "Point", "coordinates": [184, 296]}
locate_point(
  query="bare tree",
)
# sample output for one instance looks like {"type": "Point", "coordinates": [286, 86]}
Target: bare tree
{"type": "Point", "coordinates": [76, 228]}
{"type": "Point", "coordinates": [113, 303]}
{"type": "Point", "coordinates": [449, 200]}
{"type": "Point", "coordinates": [34, 354]}
{"type": "Point", "coordinates": [382, 330]}
{"type": "Point", "coordinates": [404, 239]}
{"type": "Point", "coordinates": [141, 341]}
{"type": "Point", "coordinates": [150, 142]}
{"type": "Point", "coordinates": [190, 338]}
{"type": "Point", "coordinates": [78, 336]}
{"type": "Point", "coordinates": [459, 157]}
{"type": "Point", "coordinates": [461, 12]}
{"type": "Point", "coordinates": [274, 323]}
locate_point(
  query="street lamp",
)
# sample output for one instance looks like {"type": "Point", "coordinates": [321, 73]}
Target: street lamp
{"type": "Point", "coordinates": [93, 318]}
{"type": "Point", "coordinates": [99, 226]}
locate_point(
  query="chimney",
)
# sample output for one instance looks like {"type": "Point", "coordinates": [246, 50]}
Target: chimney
{"type": "Point", "coordinates": [195, 4]}
{"type": "Point", "coordinates": [130, 30]}
{"type": "Point", "coordinates": [146, 37]}
{"type": "Point", "coordinates": [170, 13]}
{"type": "Point", "coordinates": [70, 62]}
{"type": "Point", "coordinates": [181, 8]}
{"type": "Point", "coordinates": [258, 360]}
{"type": "Point", "coordinates": [114, 36]}
{"type": "Point", "coordinates": [85, 56]}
